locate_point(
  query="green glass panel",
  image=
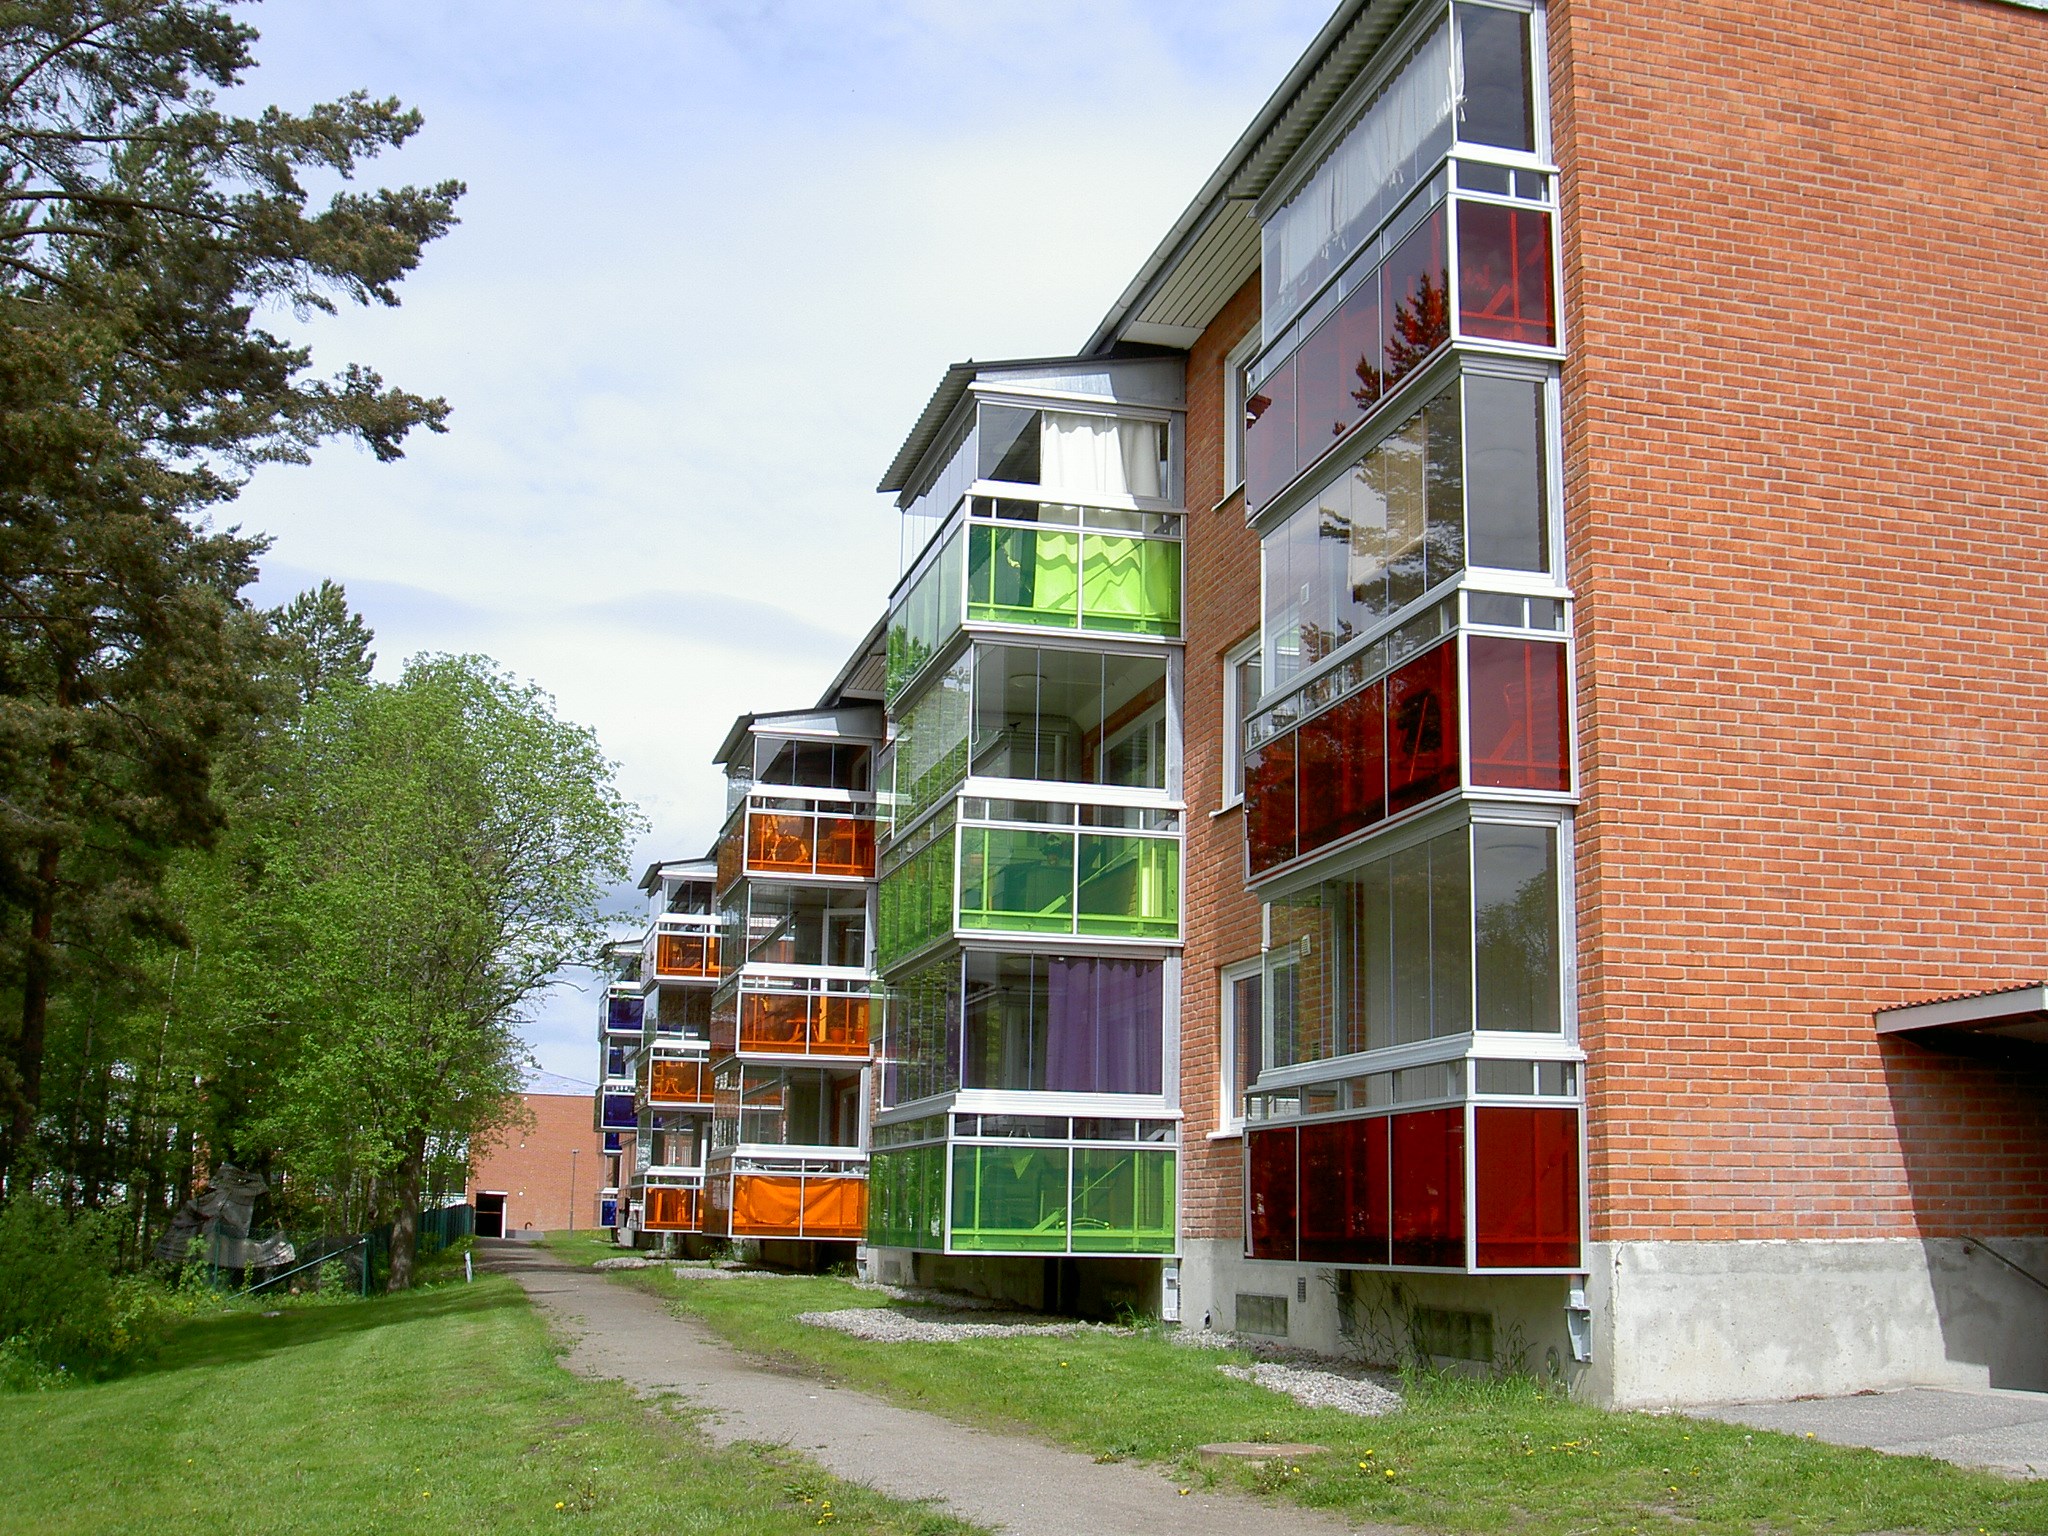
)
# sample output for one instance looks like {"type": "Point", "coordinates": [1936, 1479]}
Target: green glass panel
{"type": "Point", "coordinates": [1010, 1199]}
{"type": "Point", "coordinates": [1130, 585]}
{"type": "Point", "coordinates": [1130, 886]}
{"type": "Point", "coordinates": [1023, 576]}
{"type": "Point", "coordinates": [923, 619]}
{"type": "Point", "coordinates": [1017, 878]}
{"type": "Point", "coordinates": [915, 901]}
{"type": "Point", "coordinates": [907, 1197]}
{"type": "Point", "coordinates": [1123, 1200]}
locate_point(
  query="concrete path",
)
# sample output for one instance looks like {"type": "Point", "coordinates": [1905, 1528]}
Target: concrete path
{"type": "Point", "coordinates": [1007, 1482]}
{"type": "Point", "coordinates": [2005, 1431]}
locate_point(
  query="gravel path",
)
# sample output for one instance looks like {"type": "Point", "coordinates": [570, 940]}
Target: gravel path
{"type": "Point", "coordinates": [1008, 1482]}
{"type": "Point", "coordinates": [1317, 1387]}
{"type": "Point", "coordinates": [887, 1325]}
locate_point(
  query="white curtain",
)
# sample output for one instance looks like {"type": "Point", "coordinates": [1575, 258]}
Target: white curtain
{"type": "Point", "coordinates": [1088, 455]}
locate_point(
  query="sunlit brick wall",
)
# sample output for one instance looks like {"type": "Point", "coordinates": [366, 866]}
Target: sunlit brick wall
{"type": "Point", "coordinates": [530, 1165]}
{"type": "Point", "coordinates": [1808, 463]}
{"type": "Point", "coordinates": [1222, 920]}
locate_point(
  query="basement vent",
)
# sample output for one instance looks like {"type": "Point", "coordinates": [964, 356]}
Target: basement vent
{"type": "Point", "coordinates": [1452, 1335]}
{"type": "Point", "coordinates": [1262, 1314]}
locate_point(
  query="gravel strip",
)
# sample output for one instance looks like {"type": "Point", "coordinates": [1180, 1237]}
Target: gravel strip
{"type": "Point", "coordinates": [624, 1263]}
{"type": "Point", "coordinates": [1318, 1388]}
{"type": "Point", "coordinates": [886, 1325]}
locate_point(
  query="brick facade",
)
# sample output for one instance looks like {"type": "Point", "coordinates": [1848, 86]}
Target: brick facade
{"type": "Point", "coordinates": [531, 1166]}
{"type": "Point", "coordinates": [1801, 464]}
{"type": "Point", "coordinates": [1222, 922]}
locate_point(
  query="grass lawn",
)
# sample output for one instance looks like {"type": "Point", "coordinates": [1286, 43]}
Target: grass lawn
{"type": "Point", "coordinates": [1461, 1457]}
{"type": "Point", "coordinates": [439, 1410]}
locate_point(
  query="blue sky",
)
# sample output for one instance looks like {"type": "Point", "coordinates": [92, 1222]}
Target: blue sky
{"type": "Point", "coordinates": [713, 258]}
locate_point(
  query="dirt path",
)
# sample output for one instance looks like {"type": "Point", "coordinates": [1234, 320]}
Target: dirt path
{"type": "Point", "coordinates": [1008, 1482]}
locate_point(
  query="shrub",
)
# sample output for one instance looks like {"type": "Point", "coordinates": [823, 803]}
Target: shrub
{"type": "Point", "coordinates": [61, 1308]}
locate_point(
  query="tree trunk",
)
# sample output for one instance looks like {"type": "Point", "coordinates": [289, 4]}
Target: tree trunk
{"type": "Point", "coordinates": [405, 1227]}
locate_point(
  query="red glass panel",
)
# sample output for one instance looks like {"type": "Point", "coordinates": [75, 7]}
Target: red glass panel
{"type": "Point", "coordinates": [1269, 1208]}
{"type": "Point", "coordinates": [1343, 769]}
{"type": "Point", "coordinates": [1344, 1197]}
{"type": "Point", "coordinates": [1429, 1188]}
{"type": "Point", "coordinates": [779, 841]}
{"type": "Point", "coordinates": [1269, 803]}
{"type": "Point", "coordinates": [1269, 435]}
{"type": "Point", "coordinates": [840, 1026]}
{"type": "Point", "coordinates": [1520, 721]}
{"type": "Point", "coordinates": [1415, 305]}
{"type": "Point", "coordinates": [1321, 744]}
{"type": "Point", "coordinates": [846, 846]}
{"type": "Point", "coordinates": [1504, 291]}
{"type": "Point", "coordinates": [1526, 1166]}
{"type": "Point", "coordinates": [1422, 727]}
{"type": "Point", "coordinates": [773, 1021]}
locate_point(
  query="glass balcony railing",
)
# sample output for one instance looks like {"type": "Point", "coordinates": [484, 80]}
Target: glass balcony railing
{"type": "Point", "coordinates": [780, 836]}
{"type": "Point", "coordinates": [1031, 868]}
{"type": "Point", "coordinates": [793, 1016]}
{"type": "Point", "coordinates": [821, 1198]}
{"type": "Point", "coordinates": [1445, 270]}
{"type": "Point", "coordinates": [617, 1107]}
{"type": "Point", "coordinates": [683, 947]}
{"type": "Point", "coordinates": [623, 1012]}
{"type": "Point", "coordinates": [1021, 1187]}
{"type": "Point", "coordinates": [671, 1208]}
{"type": "Point", "coordinates": [1396, 731]}
{"type": "Point", "coordinates": [679, 1081]}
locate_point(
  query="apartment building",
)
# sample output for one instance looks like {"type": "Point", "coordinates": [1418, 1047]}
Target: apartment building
{"type": "Point", "coordinates": [1462, 778]}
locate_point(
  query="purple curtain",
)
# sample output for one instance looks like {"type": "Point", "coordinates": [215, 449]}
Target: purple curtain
{"type": "Point", "coordinates": [1103, 1026]}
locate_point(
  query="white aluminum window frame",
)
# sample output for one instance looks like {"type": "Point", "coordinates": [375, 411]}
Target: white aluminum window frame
{"type": "Point", "coordinates": [1236, 711]}
{"type": "Point", "coordinates": [1235, 363]}
{"type": "Point", "coordinates": [1230, 1092]}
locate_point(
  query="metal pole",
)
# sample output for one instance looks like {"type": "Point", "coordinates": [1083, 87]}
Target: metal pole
{"type": "Point", "coordinates": [572, 1187]}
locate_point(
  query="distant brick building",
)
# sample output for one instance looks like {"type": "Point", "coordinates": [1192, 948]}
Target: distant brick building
{"type": "Point", "coordinates": [542, 1177]}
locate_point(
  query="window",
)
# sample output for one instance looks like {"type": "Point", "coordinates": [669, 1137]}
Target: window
{"type": "Point", "coordinates": [1234, 366]}
{"type": "Point", "coordinates": [1077, 717]}
{"type": "Point", "coordinates": [1063, 1025]}
{"type": "Point", "coordinates": [1242, 670]}
{"type": "Point", "coordinates": [1242, 1040]}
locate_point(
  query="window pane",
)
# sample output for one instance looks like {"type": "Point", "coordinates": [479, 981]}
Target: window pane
{"type": "Point", "coordinates": [1415, 313]}
{"type": "Point", "coordinates": [1520, 720]}
{"type": "Point", "coordinates": [1130, 586]}
{"type": "Point", "coordinates": [1450, 933]}
{"type": "Point", "coordinates": [1505, 489]}
{"type": "Point", "coordinates": [1129, 886]}
{"type": "Point", "coordinates": [1526, 1163]}
{"type": "Point", "coordinates": [1009, 438]}
{"type": "Point", "coordinates": [1400, 470]}
{"type": "Point", "coordinates": [1504, 274]}
{"type": "Point", "coordinates": [1269, 1211]}
{"type": "Point", "coordinates": [1515, 909]}
{"type": "Point", "coordinates": [1123, 1201]}
{"type": "Point", "coordinates": [1429, 1188]}
{"type": "Point", "coordinates": [1444, 488]}
{"type": "Point", "coordinates": [1246, 1041]}
{"type": "Point", "coordinates": [1495, 102]}
{"type": "Point", "coordinates": [1063, 1026]}
{"type": "Point", "coordinates": [1017, 879]}
{"type": "Point", "coordinates": [1344, 1193]}
{"type": "Point", "coordinates": [1269, 435]}
{"type": "Point", "coordinates": [1422, 728]}
{"type": "Point", "coordinates": [1010, 1198]}
{"type": "Point", "coordinates": [1023, 576]}
{"type": "Point", "coordinates": [1269, 804]}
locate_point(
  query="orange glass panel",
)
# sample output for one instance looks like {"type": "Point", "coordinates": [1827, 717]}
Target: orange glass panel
{"type": "Point", "coordinates": [842, 1025]}
{"type": "Point", "coordinates": [846, 846]}
{"type": "Point", "coordinates": [669, 1210]}
{"type": "Point", "coordinates": [678, 1082]}
{"type": "Point", "coordinates": [766, 1205]}
{"type": "Point", "coordinates": [835, 1207]}
{"type": "Point", "coordinates": [779, 840]}
{"type": "Point", "coordinates": [773, 1021]}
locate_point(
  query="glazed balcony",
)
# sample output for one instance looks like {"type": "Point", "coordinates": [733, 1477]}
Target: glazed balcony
{"type": "Point", "coordinates": [621, 1011]}
{"type": "Point", "coordinates": [682, 946]}
{"type": "Point", "coordinates": [794, 1017]}
{"type": "Point", "coordinates": [671, 1207]}
{"type": "Point", "coordinates": [618, 1108]}
{"type": "Point", "coordinates": [1479, 268]}
{"type": "Point", "coordinates": [809, 834]}
{"type": "Point", "coordinates": [820, 1195]}
{"type": "Point", "coordinates": [1031, 868]}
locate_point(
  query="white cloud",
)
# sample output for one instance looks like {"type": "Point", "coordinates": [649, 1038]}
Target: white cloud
{"type": "Point", "coordinates": [714, 256]}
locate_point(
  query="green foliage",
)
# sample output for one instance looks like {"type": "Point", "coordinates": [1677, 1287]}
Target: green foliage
{"type": "Point", "coordinates": [61, 1307]}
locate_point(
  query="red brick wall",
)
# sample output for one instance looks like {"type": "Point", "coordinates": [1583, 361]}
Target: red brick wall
{"type": "Point", "coordinates": [1806, 460]}
{"type": "Point", "coordinates": [1222, 607]}
{"type": "Point", "coordinates": [530, 1165]}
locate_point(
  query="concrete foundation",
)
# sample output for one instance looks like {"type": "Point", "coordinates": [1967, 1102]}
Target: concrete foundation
{"type": "Point", "coordinates": [1672, 1323]}
{"type": "Point", "coordinates": [1726, 1322]}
